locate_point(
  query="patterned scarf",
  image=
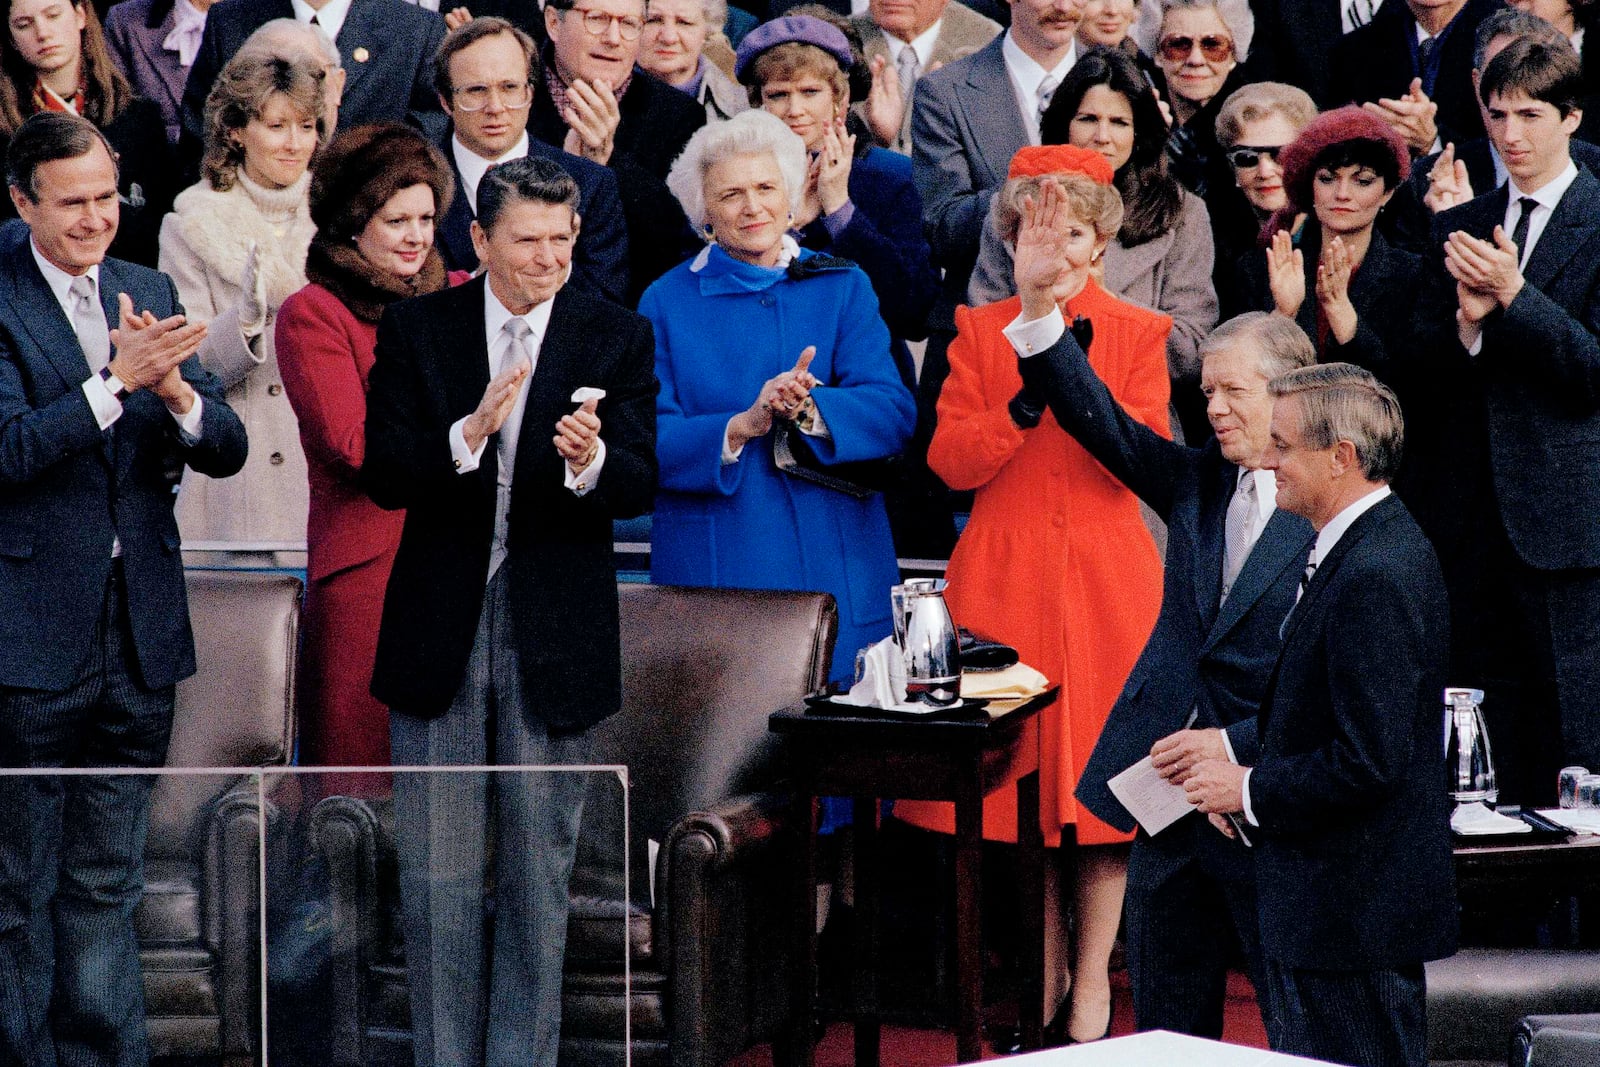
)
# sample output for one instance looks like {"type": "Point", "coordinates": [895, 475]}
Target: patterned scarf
{"type": "Point", "coordinates": [558, 88]}
{"type": "Point", "coordinates": [45, 99]}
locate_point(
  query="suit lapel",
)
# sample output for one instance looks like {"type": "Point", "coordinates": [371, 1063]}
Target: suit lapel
{"type": "Point", "coordinates": [149, 41]}
{"type": "Point", "coordinates": [1575, 219]}
{"type": "Point", "coordinates": [1375, 271]}
{"type": "Point", "coordinates": [1282, 543]}
{"type": "Point", "coordinates": [1327, 568]}
{"type": "Point", "coordinates": [548, 395]}
{"type": "Point", "coordinates": [358, 34]}
{"type": "Point", "coordinates": [1209, 539]}
{"type": "Point", "coordinates": [990, 108]}
{"type": "Point", "coordinates": [41, 316]}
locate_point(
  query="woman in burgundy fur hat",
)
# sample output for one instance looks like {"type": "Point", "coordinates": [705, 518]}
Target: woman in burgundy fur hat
{"type": "Point", "coordinates": [1337, 277]}
{"type": "Point", "coordinates": [375, 193]}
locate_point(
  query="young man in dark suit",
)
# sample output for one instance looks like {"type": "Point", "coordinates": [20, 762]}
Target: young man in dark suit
{"type": "Point", "coordinates": [1507, 455]}
{"type": "Point", "coordinates": [487, 74]}
{"type": "Point", "coordinates": [101, 406]}
{"type": "Point", "coordinates": [595, 102]}
{"type": "Point", "coordinates": [1233, 567]}
{"type": "Point", "coordinates": [1354, 877]}
{"type": "Point", "coordinates": [499, 641]}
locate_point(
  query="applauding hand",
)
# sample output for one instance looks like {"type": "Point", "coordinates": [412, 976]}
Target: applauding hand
{"type": "Point", "coordinates": [783, 395]}
{"type": "Point", "coordinates": [1286, 274]}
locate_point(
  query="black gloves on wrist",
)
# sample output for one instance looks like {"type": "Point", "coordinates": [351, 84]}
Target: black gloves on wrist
{"type": "Point", "coordinates": [1026, 408]}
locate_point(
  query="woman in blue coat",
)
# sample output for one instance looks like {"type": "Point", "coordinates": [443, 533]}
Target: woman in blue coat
{"type": "Point", "coordinates": [751, 331]}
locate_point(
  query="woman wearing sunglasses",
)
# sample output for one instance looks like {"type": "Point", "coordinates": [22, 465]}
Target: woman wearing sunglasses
{"type": "Point", "coordinates": [1198, 44]}
{"type": "Point", "coordinates": [1254, 125]}
{"type": "Point", "coordinates": [1348, 288]}
{"type": "Point", "coordinates": [1161, 257]}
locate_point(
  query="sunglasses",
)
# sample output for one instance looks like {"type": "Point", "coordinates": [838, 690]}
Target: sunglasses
{"type": "Point", "coordinates": [1216, 49]}
{"type": "Point", "coordinates": [1249, 156]}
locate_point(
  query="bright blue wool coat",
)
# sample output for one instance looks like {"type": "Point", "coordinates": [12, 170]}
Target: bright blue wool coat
{"type": "Point", "coordinates": [721, 333]}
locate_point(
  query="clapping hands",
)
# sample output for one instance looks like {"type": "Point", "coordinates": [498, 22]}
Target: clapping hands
{"type": "Point", "coordinates": [785, 394]}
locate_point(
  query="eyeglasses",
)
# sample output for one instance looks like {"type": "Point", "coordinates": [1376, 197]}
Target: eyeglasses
{"type": "Point", "coordinates": [514, 95]}
{"type": "Point", "coordinates": [598, 22]}
{"type": "Point", "coordinates": [1215, 48]}
{"type": "Point", "coordinates": [1249, 156]}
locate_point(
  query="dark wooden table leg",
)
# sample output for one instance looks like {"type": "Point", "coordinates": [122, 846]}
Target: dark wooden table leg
{"type": "Point", "coordinates": [969, 919]}
{"type": "Point", "coordinates": [803, 990]}
{"type": "Point", "coordinates": [1030, 954]}
{"type": "Point", "coordinates": [865, 987]}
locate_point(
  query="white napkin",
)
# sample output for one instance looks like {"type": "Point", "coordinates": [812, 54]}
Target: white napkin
{"type": "Point", "coordinates": [1581, 820]}
{"type": "Point", "coordinates": [883, 681]}
{"type": "Point", "coordinates": [1474, 819]}
{"type": "Point", "coordinates": [588, 392]}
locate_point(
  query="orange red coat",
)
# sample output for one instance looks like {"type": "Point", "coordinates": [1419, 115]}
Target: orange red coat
{"type": "Point", "coordinates": [1056, 560]}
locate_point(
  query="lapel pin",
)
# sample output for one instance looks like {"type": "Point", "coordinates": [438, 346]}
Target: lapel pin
{"type": "Point", "coordinates": [361, 55]}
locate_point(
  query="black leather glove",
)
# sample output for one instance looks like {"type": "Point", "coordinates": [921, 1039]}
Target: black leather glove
{"type": "Point", "coordinates": [1026, 408]}
{"type": "Point", "coordinates": [1083, 332]}
{"type": "Point", "coordinates": [1040, 379]}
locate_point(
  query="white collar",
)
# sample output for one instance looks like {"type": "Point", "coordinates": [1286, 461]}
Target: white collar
{"type": "Point", "coordinates": [496, 315]}
{"type": "Point", "coordinates": [1329, 535]}
{"type": "Point", "coordinates": [1266, 483]}
{"type": "Point", "coordinates": [473, 167]}
{"type": "Point", "coordinates": [330, 16]}
{"type": "Point", "coordinates": [1577, 40]}
{"type": "Point", "coordinates": [922, 44]}
{"type": "Point", "coordinates": [1549, 196]}
{"type": "Point", "coordinates": [1027, 72]}
{"type": "Point", "coordinates": [787, 251]}
{"type": "Point", "coordinates": [59, 281]}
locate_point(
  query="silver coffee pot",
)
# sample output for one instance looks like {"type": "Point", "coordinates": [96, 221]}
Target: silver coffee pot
{"type": "Point", "coordinates": [928, 640]}
{"type": "Point", "coordinates": [1469, 763]}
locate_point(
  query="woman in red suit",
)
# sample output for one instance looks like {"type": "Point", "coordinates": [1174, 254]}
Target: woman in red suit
{"type": "Point", "coordinates": [1056, 560]}
{"type": "Point", "coordinates": [375, 193]}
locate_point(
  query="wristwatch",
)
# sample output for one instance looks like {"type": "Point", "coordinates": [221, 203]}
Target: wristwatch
{"type": "Point", "coordinates": [114, 384]}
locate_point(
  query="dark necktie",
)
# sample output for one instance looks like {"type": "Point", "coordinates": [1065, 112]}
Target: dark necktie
{"type": "Point", "coordinates": [1310, 572]}
{"type": "Point", "coordinates": [1519, 236]}
{"type": "Point", "coordinates": [1424, 53]}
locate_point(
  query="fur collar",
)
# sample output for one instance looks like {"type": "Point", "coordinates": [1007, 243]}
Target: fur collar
{"type": "Point", "coordinates": [362, 288]}
{"type": "Point", "coordinates": [219, 226]}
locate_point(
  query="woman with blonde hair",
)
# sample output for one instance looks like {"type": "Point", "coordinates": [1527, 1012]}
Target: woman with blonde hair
{"type": "Point", "coordinates": [235, 245]}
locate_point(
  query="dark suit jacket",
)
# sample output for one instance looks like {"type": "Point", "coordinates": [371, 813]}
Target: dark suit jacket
{"type": "Point", "coordinates": [1375, 61]}
{"type": "Point", "coordinates": [1353, 864]}
{"type": "Point", "coordinates": [67, 488]}
{"type": "Point", "coordinates": [600, 259]}
{"type": "Point", "coordinates": [657, 121]}
{"type": "Point", "coordinates": [1197, 656]}
{"type": "Point", "coordinates": [1526, 411]}
{"type": "Point", "coordinates": [1293, 39]}
{"type": "Point", "coordinates": [431, 370]}
{"type": "Point", "coordinates": [393, 83]}
{"type": "Point", "coordinates": [134, 32]}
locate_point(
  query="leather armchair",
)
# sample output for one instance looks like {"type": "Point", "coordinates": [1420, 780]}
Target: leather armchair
{"type": "Point", "coordinates": [702, 669]}
{"type": "Point", "coordinates": [1477, 998]}
{"type": "Point", "coordinates": [1556, 1041]}
{"type": "Point", "coordinates": [198, 936]}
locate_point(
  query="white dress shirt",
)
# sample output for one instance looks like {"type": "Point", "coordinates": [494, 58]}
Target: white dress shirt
{"type": "Point", "coordinates": [1026, 75]}
{"type": "Point", "coordinates": [330, 16]}
{"type": "Point", "coordinates": [1547, 198]}
{"type": "Point", "coordinates": [1327, 537]}
{"type": "Point", "coordinates": [922, 45]}
{"type": "Point", "coordinates": [473, 167]}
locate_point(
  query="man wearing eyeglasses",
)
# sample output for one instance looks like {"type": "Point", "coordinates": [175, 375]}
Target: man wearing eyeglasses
{"type": "Point", "coordinates": [486, 74]}
{"type": "Point", "coordinates": [594, 102]}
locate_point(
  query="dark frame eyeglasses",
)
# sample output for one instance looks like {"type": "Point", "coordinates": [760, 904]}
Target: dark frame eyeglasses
{"type": "Point", "coordinates": [1249, 156]}
{"type": "Point", "coordinates": [1216, 48]}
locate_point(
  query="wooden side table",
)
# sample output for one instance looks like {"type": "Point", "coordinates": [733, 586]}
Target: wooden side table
{"type": "Point", "coordinates": [958, 760]}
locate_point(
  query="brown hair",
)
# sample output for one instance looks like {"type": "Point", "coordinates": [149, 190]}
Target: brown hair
{"type": "Point", "coordinates": [106, 93]}
{"type": "Point", "coordinates": [362, 168]}
{"type": "Point", "coordinates": [1343, 402]}
{"type": "Point", "coordinates": [1262, 100]}
{"type": "Point", "coordinates": [239, 95]}
{"type": "Point", "coordinates": [1099, 205]}
{"type": "Point", "coordinates": [481, 28]}
{"type": "Point", "coordinates": [794, 59]}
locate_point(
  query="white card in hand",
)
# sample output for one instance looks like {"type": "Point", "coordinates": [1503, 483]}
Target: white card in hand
{"type": "Point", "coordinates": [1155, 802]}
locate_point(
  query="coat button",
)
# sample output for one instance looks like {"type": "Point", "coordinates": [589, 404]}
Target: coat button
{"type": "Point", "coordinates": [274, 389]}
{"type": "Point", "coordinates": [1058, 521]}
{"type": "Point", "coordinates": [276, 459]}
{"type": "Point", "coordinates": [768, 300]}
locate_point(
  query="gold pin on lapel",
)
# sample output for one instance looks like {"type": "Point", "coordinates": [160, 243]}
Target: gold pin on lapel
{"type": "Point", "coordinates": [361, 55]}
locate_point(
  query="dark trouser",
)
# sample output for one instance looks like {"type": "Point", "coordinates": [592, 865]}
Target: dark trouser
{"type": "Point", "coordinates": [502, 1006]}
{"type": "Point", "coordinates": [1374, 1018]}
{"type": "Point", "coordinates": [1189, 901]}
{"type": "Point", "coordinates": [72, 858]}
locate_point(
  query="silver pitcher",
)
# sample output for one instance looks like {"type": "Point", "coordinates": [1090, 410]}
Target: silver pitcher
{"type": "Point", "coordinates": [1469, 763]}
{"type": "Point", "coordinates": [927, 638]}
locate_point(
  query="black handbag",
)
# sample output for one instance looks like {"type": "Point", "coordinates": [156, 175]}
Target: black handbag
{"type": "Point", "coordinates": [794, 456]}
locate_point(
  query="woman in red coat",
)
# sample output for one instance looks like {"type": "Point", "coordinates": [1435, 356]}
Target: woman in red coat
{"type": "Point", "coordinates": [1056, 560]}
{"type": "Point", "coordinates": [375, 193]}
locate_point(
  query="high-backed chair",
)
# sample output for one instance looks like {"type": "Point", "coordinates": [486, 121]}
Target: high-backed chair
{"type": "Point", "coordinates": [1477, 997]}
{"type": "Point", "coordinates": [197, 923]}
{"type": "Point", "coordinates": [702, 669]}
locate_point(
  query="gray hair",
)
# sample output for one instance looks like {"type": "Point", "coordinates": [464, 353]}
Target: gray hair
{"type": "Point", "coordinates": [1343, 402]}
{"type": "Point", "coordinates": [1235, 14]}
{"type": "Point", "coordinates": [750, 133]}
{"type": "Point", "coordinates": [290, 38]}
{"type": "Point", "coordinates": [1509, 22]}
{"type": "Point", "coordinates": [1278, 342]}
{"type": "Point", "coordinates": [716, 14]}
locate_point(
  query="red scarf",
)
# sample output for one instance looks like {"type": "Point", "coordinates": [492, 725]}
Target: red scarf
{"type": "Point", "coordinates": [45, 100]}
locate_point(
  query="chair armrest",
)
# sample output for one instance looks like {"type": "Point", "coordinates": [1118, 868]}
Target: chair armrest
{"type": "Point", "coordinates": [722, 950]}
{"type": "Point", "coordinates": [1529, 1029]}
{"type": "Point", "coordinates": [344, 831]}
{"type": "Point", "coordinates": [1557, 1047]}
{"type": "Point", "coordinates": [230, 879]}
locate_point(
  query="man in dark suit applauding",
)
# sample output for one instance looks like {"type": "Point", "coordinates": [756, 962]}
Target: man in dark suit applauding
{"type": "Point", "coordinates": [96, 422]}
{"type": "Point", "coordinates": [513, 418]}
{"type": "Point", "coordinates": [1233, 568]}
{"type": "Point", "coordinates": [1345, 802]}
